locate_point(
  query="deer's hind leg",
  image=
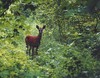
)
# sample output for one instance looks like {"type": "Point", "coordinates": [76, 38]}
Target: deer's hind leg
{"type": "Point", "coordinates": [30, 51]}
{"type": "Point", "coordinates": [27, 51]}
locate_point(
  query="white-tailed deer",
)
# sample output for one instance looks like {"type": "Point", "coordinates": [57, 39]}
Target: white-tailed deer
{"type": "Point", "coordinates": [33, 42]}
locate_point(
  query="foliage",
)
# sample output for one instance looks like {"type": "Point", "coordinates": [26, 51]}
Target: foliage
{"type": "Point", "coordinates": [70, 43]}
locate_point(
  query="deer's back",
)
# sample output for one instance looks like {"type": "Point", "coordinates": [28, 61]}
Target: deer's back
{"type": "Point", "coordinates": [32, 41]}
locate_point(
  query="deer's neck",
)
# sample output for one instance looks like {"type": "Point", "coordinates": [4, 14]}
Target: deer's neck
{"type": "Point", "coordinates": [40, 36]}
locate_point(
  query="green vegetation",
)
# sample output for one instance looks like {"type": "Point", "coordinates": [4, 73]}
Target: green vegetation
{"type": "Point", "coordinates": [70, 46]}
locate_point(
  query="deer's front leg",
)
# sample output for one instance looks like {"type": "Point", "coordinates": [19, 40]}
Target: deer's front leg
{"type": "Point", "coordinates": [32, 52]}
{"type": "Point", "coordinates": [37, 50]}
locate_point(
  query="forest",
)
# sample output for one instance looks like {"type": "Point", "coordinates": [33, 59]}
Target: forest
{"type": "Point", "coordinates": [64, 33]}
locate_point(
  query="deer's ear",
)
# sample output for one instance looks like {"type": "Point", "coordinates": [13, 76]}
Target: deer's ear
{"type": "Point", "coordinates": [37, 26]}
{"type": "Point", "coordinates": [44, 26]}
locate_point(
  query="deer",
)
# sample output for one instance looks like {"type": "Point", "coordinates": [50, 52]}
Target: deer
{"type": "Point", "coordinates": [33, 42]}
